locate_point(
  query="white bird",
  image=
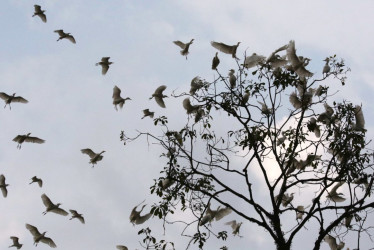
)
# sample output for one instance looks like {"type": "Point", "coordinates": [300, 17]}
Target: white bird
{"type": "Point", "coordinates": [189, 107]}
{"type": "Point", "coordinates": [286, 199]}
{"type": "Point", "coordinates": [215, 62]}
{"type": "Point", "coordinates": [121, 247]}
{"type": "Point", "coordinates": [235, 226]}
{"type": "Point", "coordinates": [360, 120]}
{"type": "Point", "coordinates": [38, 237]}
{"type": "Point", "coordinates": [300, 212]}
{"type": "Point", "coordinates": [245, 98]}
{"type": "Point", "coordinates": [51, 207]}
{"type": "Point", "coordinates": [333, 195]}
{"type": "Point", "coordinates": [63, 35]}
{"type": "Point", "coordinates": [39, 12]}
{"type": "Point", "coordinates": [12, 98]}
{"type": "Point", "coordinates": [348, 220]}
{"type": "Point", "coordinates": [232, 78]}
{"type": "Point", "coordinates": [184, 47]}
{"type": "Point", "coordinates": [298, 63]}
{"type": "Point", "coordinates": [38, 180]}
{"type": "Point", "coordinates": [253, 60]}
{"type": "Point", "coordinates": [94, 157]}
{"type": "Point", "coordinates": [27, 138]}
{"type": "Point", "coordinates": [146, 113]}
{"type": "Point", "coordinates": [264, 108]}
{"type": "Point", "coordinates": [227, 49]}
{"type": "Point", "coordinates": [319, 91]}
{"type": "Point", "coordinates": [326, 117]}
{"type": "Point", "coordinates": [217, 214]}
{"type": "Point", "coordinates": [295, 101]}
{"type": "Point", "coordinates": [326, 68]}
{"type": "Point", "coordinates": [16, 243]}
{"type": "Point", "coordinates": [159, 96]}
{"type": "Point", "coordinates": [196, 84]}
{"type": "Point", "coordinates": [3, 186]}
{"type": "Point", "coordinates": [75, 214]}
{"type": "Point", "coordinates": [275, 60]}
{"type": "Point", "coordinates": [308, 161]}
{"type": "Point", "coordinates": [104, 63]}
{"type": "Point", "coordinates": [136, 218]}
{"type": "Point", "coordinates": [332, 243]}
{"type": "Point", "coordinates": [117, 99]}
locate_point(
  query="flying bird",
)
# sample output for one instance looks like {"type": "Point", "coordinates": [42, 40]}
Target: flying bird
{"type": "Point", "coordinates": [159, 96]}
{"type": "Point", "coordinates": [63, 35]}
{"type": "Point", "coordinates": [332, 243]}
{"type": "Point", "coordinates": [298, 63]}
{"type": "Point", "coordinates": [117, 99]}
{"type": "Point", "coordinates": [235, 226]}
{"type": "Point", "coordinates": [37, 180]}
{"type": "Point", "coordinates": [51, 207]}
{"type": "Point", "coordinates": [27, 138]}
{"type": "Point", "coordinates": [196, 84]}
{"type": "Point", "coordinates": [189, 107]}
{"type": "Point", "coordinates": [217, 214]}
{"type": "Point", "coordinates": [313, 127]}
{"type": "Point", "coordinates": [232, 78]}
{"type": "Point", "coordinates": [275, 60]}
{"type": "Point", "coordinates": [326, 68]}
{"type": "Point", "coordinates": [360, 120]}
{"type": "Point", "coordinates": [121, 247]}
{"type": "Point", "coordinates": [285, 200]}
{"type": "Point", "coordinates": [12, 98]}
{"type": "Point", "coordinates": [75, 214]}
{"type": "Point", "coordinates": [253, 60]}
{"type": "Point", "coordinates": [333, 195]}
{"type": "Point", "coordinates": [104, 64]}
{"type": "Point", "coordinates": [3, 186]}
{"type": "Point", "coordinates": [184, 47]}
{"type": "Point", "coordinates": [94, 157]}
{"type": "Point", "coordinates": [264, 108]}
{"type": "Point", "coordinates": [40, 13]}
{"type": "Point", "coordinates": [146, 113]}
{"type": "Point", "coordinates": [227, 49]}
{"type": "Point", "coordinates": [38, 237]}
{"type": "Point", "coordinates": [16, 243]}
{"type": "Point", "coordinates": [215, 62]}
{"type": "Point", "coordinates": [136, 218]}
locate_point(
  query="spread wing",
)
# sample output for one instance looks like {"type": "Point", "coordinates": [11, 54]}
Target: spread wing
{"type": "Point", "coordinates": [34, 140]}
{"type": "Point", "coordinates": [232, 224]}
{"type": "Point", "coordinates": [142, 219]}
{"type": "Point", "coordinates": [46, 201]}
{"type": "Point", "coordinates": [4, 96]}
{"type": "Point", "coordinates": [160, 89]}
{"type": "Point", "coordinates": [18, 138]}
{"type": "Point", "coordinates": [59, 211]}
{"type": "Point", "coordinates": [71, 38]}
{"type": "Point", "coordinates": [291, 54]}
{"type": "Point", "coordinates": [335, 188]}
{"type": "Point", "coordinates": [40, 182]}
{"type": "Point", "coordinates": [222, 213]}
{"type": "Point", "coordinates": [180, 44]}
{"type": "Point", "coordinates": [43, 17]}
{"type": "Point", "coordinates": [48, 241]}
{"type": "Point", "coordinates": [116, 92]}
{"type": "Point", "coordinates": [33, 230]}
{"type": "Point", "coordinates": [120, 247]}
{"type": "Point", "coordinates": [105, 59]}
{"type": "Point", "coordinates": [160, 102]}
{"type": "Point", "coordinates": [104, 68]}
{"type": "Point", "coordinates": [222, 47]}
{"type": "Point", "coordinates": [15, 240]}
{"type": "Point", "coordinates": [88, 152]}
{"type": "Point", "coordinates": [60, 32]}
{"type": "Point", "coordinates": [3, 189]}
{"type": "Point", "coordinates": [37, 8]}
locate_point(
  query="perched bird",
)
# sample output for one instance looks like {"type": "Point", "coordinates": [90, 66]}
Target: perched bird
{"type": "Point", "coordinates": [51, 207]}
{"type": "Point", "coordinates": [275, 60]}
{"type": "Point", "coordinates": [12, 98]}
{"type": "Point", "coordinates": [104, 64]}
{"type": "Point", "coordinates": [38, 237]}
{"type": "Point", "coordinates": [319, 91]}
{"type": "Point", "coordinates": [333, 195]}
{"type": "Point", "coordinates": [217, 214]}
{"type": "Point", "coordinates": [196, 84]}
{"type": "Point", "coordinates": [298, 63]}
{"type": "Point", "coordinates": [27, 138]}
{"type": "Point", "coordinates": [348, 220]}
{"type": "Point", "coordinates": [235, 226]}
{"type": "Point", "coordinates": [326, 68]}
{"type": "Point", "coordinates": [184, 47]}
{"type": "Point", "coordinates": [264, 108]}
{"type": "Point", "coordinates": [63, 35]}
{"type": "Point", "coordinates": [136, 218]}
{"type": "Point", "coordinates": [360, 120]}
{"type": "Point", "coordinates": [285, 200]}
{"type": "Point", "coordinates": [189, 107]}
{"type": "Point", "coordinates": [232, 78]}
{"type": "Point", "coordinates": [300, 212]}
{"type": "Point", "coordinates": [227, 49]}
{"type": "Point", "coordinates": [253, 60]}
{"type": "Point", "coordinates": [295, 101]}
{"type": "Point", "coordinates": [117, 99]}
{"type": "Point", "coordinates": [166, 183]}
{"type": "Point", "coordinates": [215, 62]}
{"type": "Point", "coordinates": [36, 179]}
{"type": "Point", "coordinates": [94, 157]}
{"type": "Point", "coordinates": [326, 117]}
{"type": "Point", "coordinates": [121, 247]}
{"type": "Point", "coordinates": [40, 13]}
{"type": "Point", "coordinates": [75, 214]}
{"type": "Point", "coordinates": [313, 127]}
{"type": "Point", "coordinates": [146, 113]}
{"type": "Point", "coordinates": [332, 243]}
{"type": "Point", "coordinates": [159, 96]}
{"type": "Point", "coordinates": [16, 243]}
{"type": "Point", "coordinates": [245, 98]}
{"type": "Point", "coordinates": [3, 186]}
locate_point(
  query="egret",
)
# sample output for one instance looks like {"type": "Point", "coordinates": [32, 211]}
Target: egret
{"type": "Point", "coordinates": [94, 157]}
{"type": "Point", "coordinates": [326, 68]}
{"type": "Point", "coordinates": [12, 98]}
{"type": "Point", "coordinates": [63, 35]}
{"type": "Point", "coordinates": [16, 243]}
{"type": "Point", "coordinates": [332, 243]}
{"type": "Point", "coordinates": [295, 101]}
{"type": "Point", "coordinates": [300, 212]}
{"type": "Point", "coordinates": [196, 84]}
{"type": "Point", "coordinates": [38, 237]}
{"type": "Point", "coordinates": [298, 63]}
{"type": "Point", "coordinates": [348, 220]}
{"type": "Point", "coordinates": [27, 138]}
{"type": "Point", "coordinates": [3, 186]}
{"type": "Point", "coordinates": [253, 60]}
{"type": "Point", "coordinates": [232, 78]}
{"type": "Point", "coordinates": [189, 107]}
{"type": "Point", "coordinates": [217, 214]}
{"type": "Point", "coordinates": [199, 114]}
{"type": "Point", "coordinates": [184, 47]}
{"type": "Point", "coordinates": [245, 98]}
{"type": "Point", "coordinates": [121, 247]}
{"type": "Point", "coordinates": [326, 117]}
{"type": "Point", "coordinates": [215, 62]}
{"type": "Point", "coordinates": [333, 195]}
{"type": "Point", "coordinates": [159, 96]}
{"type": "Point", "coordinates": [235, 226]}
{"type": "Point", "coordinates": [286, 199]}
{"type": "Point", "coordinates": [227, 49]}
{"type": "Point", "coordinates": [51, 207]}
{"type": "Point", "coordinates": [37, 180]}
{"type": "Point", "coordinates": [264, 108]}
{"type": "Point", "coordinates": [40, 13]}
{"type": "Point", "coordinates": [117, 99]}
{"type": "Point", "coordinates": [319, 91]}
{"type": "Point", "coordinates": [136, 218]}
{"type": "Point", "coordinates": [146, 113]}
{"type": "Point", "coordinates": [275, 60]}
{"type": "Point", "coordinates": [360, 120]}
{"type": "Point", "coordinates": [313, 127]}
{"type": "Point", "coordinates": [75, 214]}
{"type": "Point", "coordinates": [308, 161]}
{"type": "Point", "coordinates": [104, 64]}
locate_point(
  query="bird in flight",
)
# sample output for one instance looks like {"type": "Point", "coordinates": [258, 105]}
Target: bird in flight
{"type": "Point", "coordinates": [117, 99]}
{"type": "Point", "coordinates": [227, 49]}
{"type": "Point", "coordinates": [38, 237]}
{"type": "Point", "coordinates": [104, 63]}
{"type": "Point", "coordinates": [37, 180]}
{"type": "Point", "coordinates": [75, 214]}
{"type": "Point", "coordinates": [27, 138]}
{"type": "Point", "coordinates": [94, 157]}
{"type": "Point", "coordinates": [12, 98]}
{"type": "Point", "coordinates": [16, 243]}
{"type": "Point", "coordinates": [146, 113]}
{"type": "Point", "coordinates": [184, 47]}
{"type": "Point", "coordinates": [63, 35]}
{"type": "Point", "coordinates": [136, 218]}
{"type": "Point", "coordinates": [159, 96]}
{"type": "Point", "coordinates": [40, 13]}
{"type": "Point", "coordinates": [3, 186]}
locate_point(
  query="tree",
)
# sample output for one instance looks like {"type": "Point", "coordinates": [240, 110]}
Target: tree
{"type": "Point", "coordinates": [283, 125]}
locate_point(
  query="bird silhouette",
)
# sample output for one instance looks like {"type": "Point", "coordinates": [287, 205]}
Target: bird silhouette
{"type": "Point", "coordinates": [3, 186]}
{"type": "Point", "coordinates": [37, 180]}
{"type": "Point", "coordinates": [333, 195]}
{"type": "Point", "coordinates": [235, 226]}
{"type": "Point", "coordinates": [121, 247]}
{"type": "Point", "coordinates": [227, 49]}
{"type": "Point", "coordinates": [217, 214]}
{"type": "Point", "coordinates": [215, 62]}
{"type": "Point", "coordinates": [40, 237]}
{"type": "Point", "coordinates": [184, 46]}
{"type": "Point", "coordinates": [253, 60]}
{"type": "Point", "coordinates": [158, 95]}
{"type": "Point", "coordinates": [359, 125]}
{"type": "Point", "coordinates": [40, 13]}
{"type": "Point", "coordinates": [12, 98]}
{"type": "Point", "coordinates": [27, 138]}
{"type": "Point", "coordinates": [276, 61]}
{"type": "Point", "coordinates": [326, 68]}
{"type": "Point", "coordinates": [104, 63]}
{"type": "Point", "coordinates": [136, 218]}
{"type": "Point", "coordinates": [298, 63]}
{"type": "Point", "coordinates": [285, 199]}
{"type": "Point", "coordinates": [196, 84]}
{"type": "Point", "coordinates": [51, 207]}
{"type": "Point", "coordinates": [313, 127]}
{"type": "Point", "coordinates": [232, 78]}
{"type": "Point", "coordinates": [94, 157]}
{"type": "Point", "coordinates": [117, 99]}
{"type": "Point", "coordinates": [63, 35]}
{"type": "Point", "coordinates": [75, 214]}
{"type": "Point", "coordinates": [146, 113]}
{"type": "Point", "coordinates": [16, 243]}
{"type": "Point", "coordinates": [332, 243]}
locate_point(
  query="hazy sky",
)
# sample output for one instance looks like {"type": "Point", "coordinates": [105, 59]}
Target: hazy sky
{"type": "Point", "coordinates": [70, 104]}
